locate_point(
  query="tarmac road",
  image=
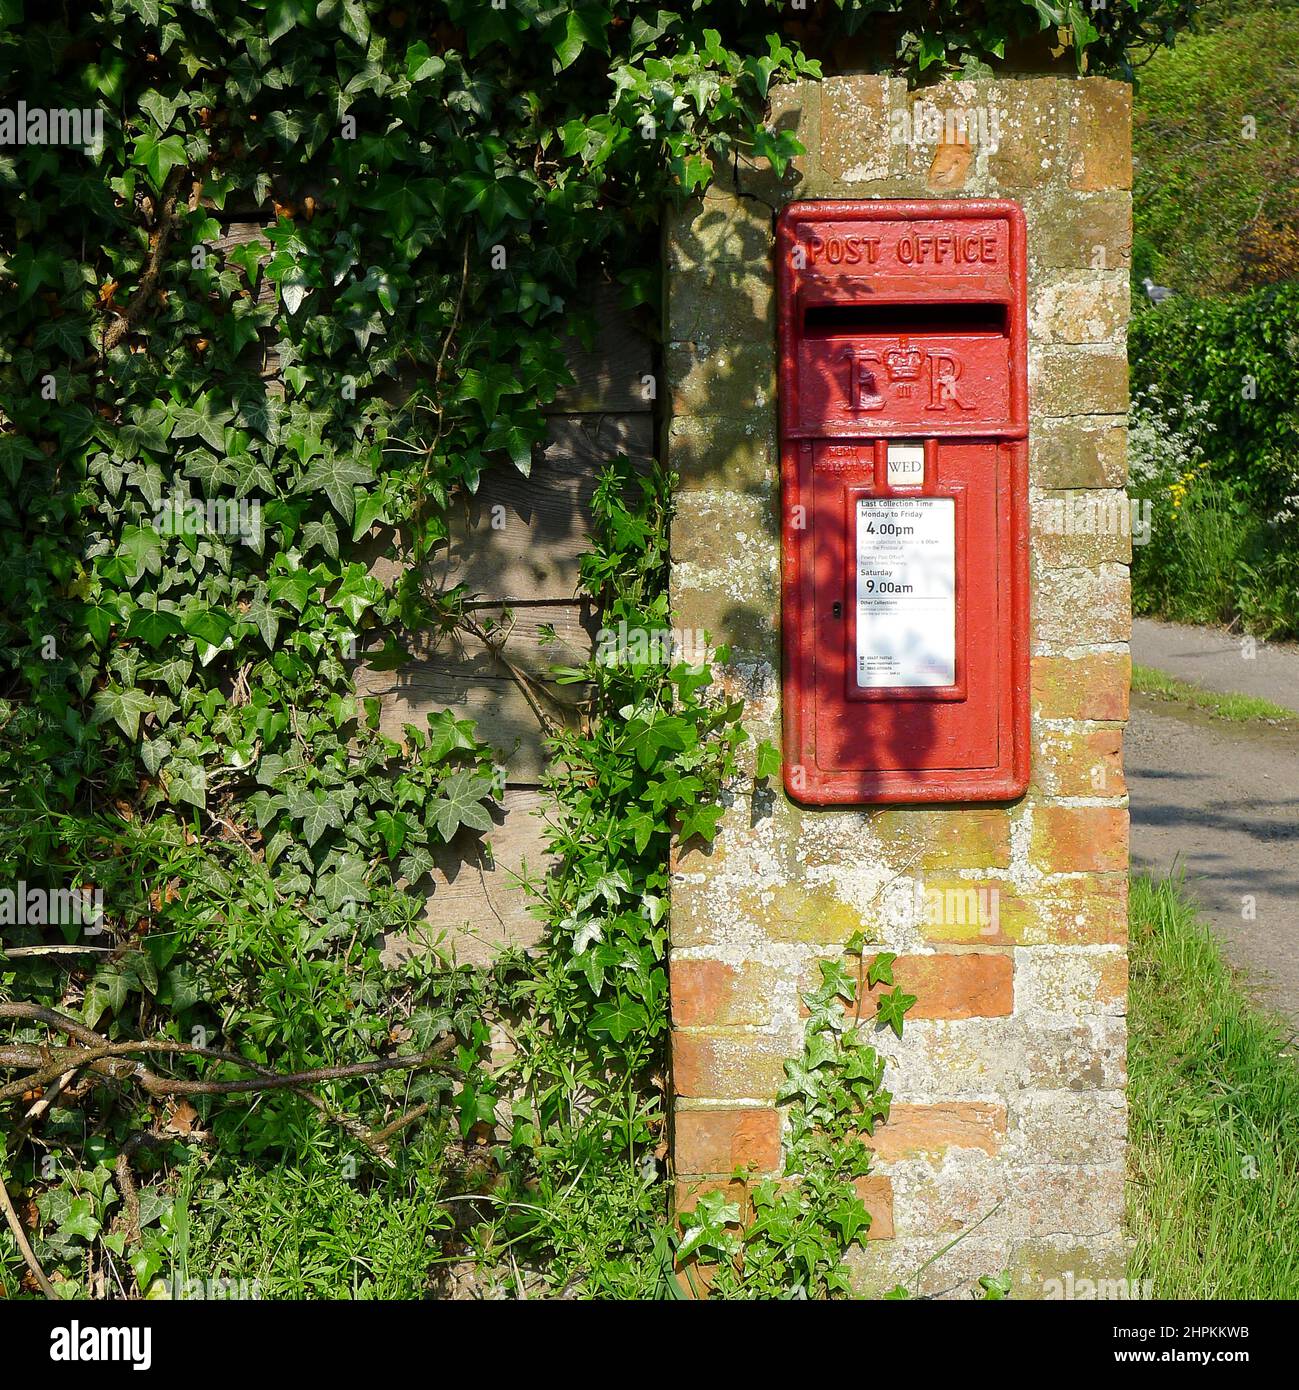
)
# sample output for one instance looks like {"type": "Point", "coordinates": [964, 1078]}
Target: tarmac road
{"type": "Point", "coordinates": [1221, 799]}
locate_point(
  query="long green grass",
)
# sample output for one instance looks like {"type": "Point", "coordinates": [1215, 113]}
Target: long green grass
{"type": "Point", "coordinates": [1213, 1182]}
{"type": "Point", "coordinates": [1240, 709]}
{"type": "Point", "coordinates": [1216, 559]}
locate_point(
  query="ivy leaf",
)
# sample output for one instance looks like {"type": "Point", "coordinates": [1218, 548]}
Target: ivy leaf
{"type": "Point", "coordinates": [421, 64]}
{"type": "Point", "coordinates": [265, 807]}
{"type": "Point", "coordinates": [487, 387]}
{"type": "Point", "coordinates": [124, 704]}
{"type": "Point", "coordinates": [405, 206]}
{"type": "Point", "coordinates": [158, 155]}
{"type": "Point", "coordinates": [850, 1217]}
{"type": "Point", "coordinates": [322, 533]}
{"type": "Point", "coordinates": [701, 820]}
{"type": "Point", "coordinates": [370, 508]}
{"type": "Point", "coordinates": [583, 28]}
{"type": "Point", "coordinates": [836, 982]}
{"type": "Point", "coordinates": [69, 334]}
{"type": "Point", "coordinates": [286, 126]}
{"type": "Point", "coordinates": [655, 732]}
{"type": "Point", "coordinates": [173, 672]}
{"type": "Point", "coordinates": [447, 734]}
{"type": "Point", "coordinates": [159, 109]}
{"type": "Point", "coordinates": [209, 625]}
{"type": "Point", "coordinates": [141, 548]}
{"type": "Point", "coordinates": [345, 884]}
{"type": "Point", "coordinates": [640, 825]}
{"type": "Point", "coordinates": [394, 827]}
{"type": "Point", "coordinates": [153, 753]}
{"type": "Point", "coordinates": [271, 768]}
{"type": "Point", "coordinates": [515, 440]}
{"type": "Point", "coordinates": [15, 450]}
{"type": "Point", "coordinates": [318, 812]}
{"type": "Point", "coordinates": [933, 48]}
{"type": "Point", "coordinates": [203, 421]}
{"type": "Point", "coordinates": [459, 802]}
{"type": "Point", "coordinates": [355, 22]}
{"type": "Point", "coordinates": [80, 1220]}
{"type": "Point", "coordinates": [99, 622]}
{"type": "Point", "coordinates": [186, 783]}
{"type": "Point", "coordinates": [149, 430]}
{"type": "Point", "coordinates": [281, 16]}
{"type": "Point", "coordinates": [294, 288]}
{"type": "Point", "coordinates": [767, 761]}
{"type": "Point", "coordinates": [294, 588]}
{"type": "Point", "coordinates": [262, 616]}
{"type": "Point", "coordinates": [620, 1019]}
{"type": "Point", "coordinates": [416, 864]}
{"type": "Point", "coordinates": [356, 593]}
{"type": "Point", "coordinates": [496, 197]}
{"type": "Point", "coordinates": [892, 1008]}
{"type": "Point", "coordinates": [154, 626]}
{"type": "Point", "coordinates": [335, 477]}
{"type": "Point", "coordinates": [880, 970]}
{"type": "Point", "coordinates": [243, 76]}
{"type": "Point", "coordinates": [799, 1081]}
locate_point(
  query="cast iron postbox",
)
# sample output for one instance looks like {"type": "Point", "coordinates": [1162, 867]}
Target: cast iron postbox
{"type": "Point", "coordinates": [904, 438]}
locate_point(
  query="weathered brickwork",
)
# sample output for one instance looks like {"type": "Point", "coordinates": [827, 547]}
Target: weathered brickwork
{"type": "Point", "coordinates": [1009, 921]}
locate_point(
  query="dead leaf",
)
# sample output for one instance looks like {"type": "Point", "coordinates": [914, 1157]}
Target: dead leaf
{"type": "Point", "coordinates": [950, 166]}
{"type": "Point", "coordinates": [182, 1119]}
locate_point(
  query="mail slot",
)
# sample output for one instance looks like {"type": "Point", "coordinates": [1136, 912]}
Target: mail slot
{"type": "Point", "coordinates": [904, 479]}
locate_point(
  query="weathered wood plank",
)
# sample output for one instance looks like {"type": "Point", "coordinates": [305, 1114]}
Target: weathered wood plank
{"type": "Point", "coordinates": [461, 674]}
{"type": "Point", "coordinates": [523, 538]}
{"type": "Point", "coordinates": [236, 234]}
{"type": "Point", "coordinates": [610, 375]}
{"type": "Point", "coordinates": [476, 906]}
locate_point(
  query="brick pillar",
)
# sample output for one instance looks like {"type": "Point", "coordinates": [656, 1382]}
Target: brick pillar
{"type": "Point", "coordinates": [1009, 1078]}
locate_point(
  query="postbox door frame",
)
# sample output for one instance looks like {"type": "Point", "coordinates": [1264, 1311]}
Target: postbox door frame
{"type": "Point", "coordinates": [804, 780]}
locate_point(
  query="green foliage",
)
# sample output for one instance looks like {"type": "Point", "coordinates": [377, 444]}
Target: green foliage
{"type": "Point", "coordinates": [1213, 1150]}
{"type": "Point", "coordinates": [1214, 444]}
{"type": "Point", "coordinates": [792, 1241]}
{"type": "Point", "coordinates": [1216, 197]}
{"type": "Point", "coordinates": [306, 1231]}
{"type": "Point", "coordinates": [959, 38]}
{"type": "Point", "coordinates": [1238, 360]}
{"type": "Point", "coordinates": [1214, 560]}
{"type": "Point", "coordinates": [650, 764]}
{"type": "Point", "coordinates": [186, 544]}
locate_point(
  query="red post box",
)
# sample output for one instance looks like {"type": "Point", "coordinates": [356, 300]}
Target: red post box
{"type": "Point", "coordinates": [904, 478]}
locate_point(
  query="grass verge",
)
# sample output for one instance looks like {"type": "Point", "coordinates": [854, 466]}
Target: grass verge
{"type": "Point", "coordinates": [1213, 1168]}
{"type": "Point", "coordinates": [1242, 709]}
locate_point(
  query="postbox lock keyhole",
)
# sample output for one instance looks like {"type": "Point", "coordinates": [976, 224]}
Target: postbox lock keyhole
{"type": "Point", "coordinates": [837, 610]}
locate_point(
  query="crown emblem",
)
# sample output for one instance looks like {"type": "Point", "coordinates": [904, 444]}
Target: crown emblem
{"type": "Point", "coordinates": [903, 362]}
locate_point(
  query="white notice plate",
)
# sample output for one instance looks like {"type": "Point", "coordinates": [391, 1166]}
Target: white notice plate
{"type": "Point", "coordinates": [906, 591]}
{"type": "Point", "coordinates": [906, 464]}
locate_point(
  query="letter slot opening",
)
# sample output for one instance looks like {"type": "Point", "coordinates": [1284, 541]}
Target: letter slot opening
{"type": "Point", "coordinates": [869, 320]}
